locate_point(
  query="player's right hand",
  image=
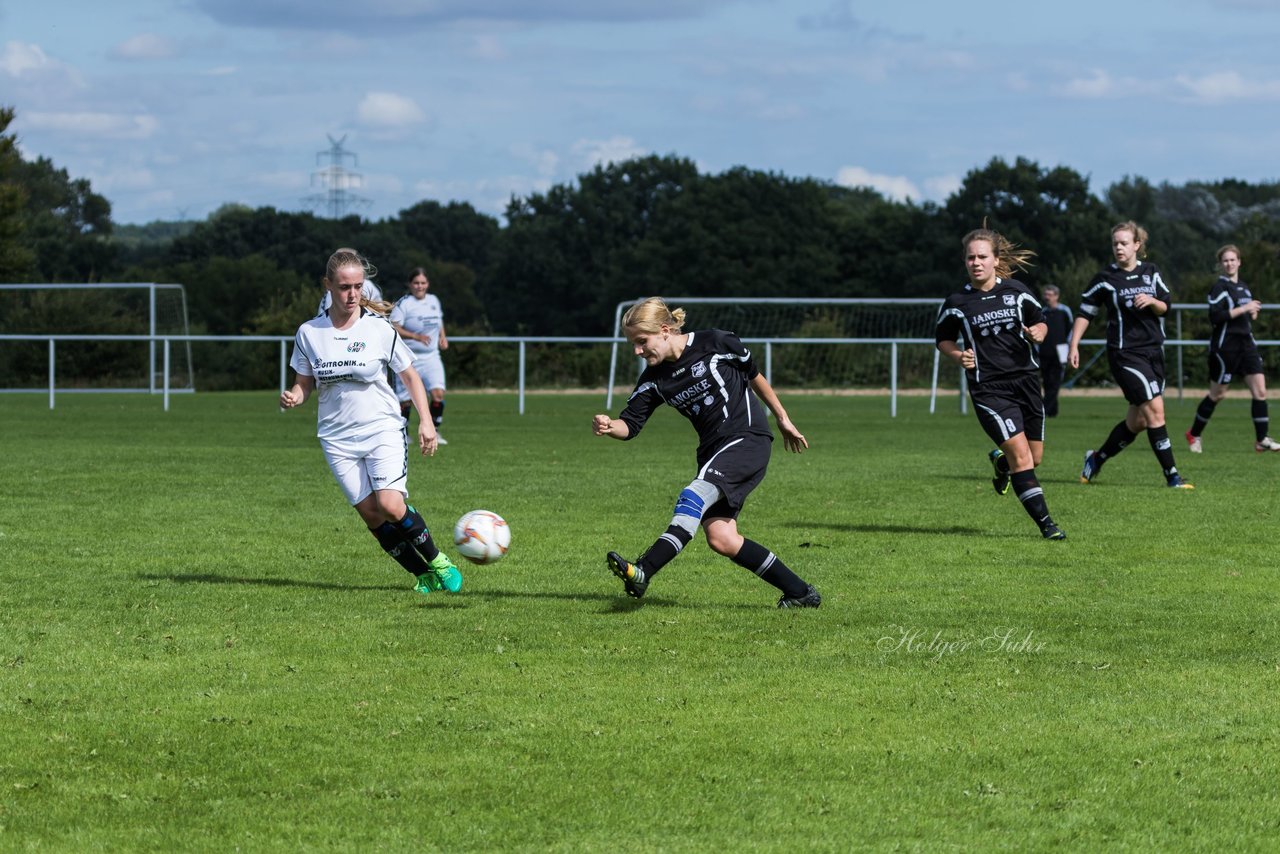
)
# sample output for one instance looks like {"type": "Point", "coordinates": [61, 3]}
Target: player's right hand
{"type": "Point", "coordinates": [600, 424]}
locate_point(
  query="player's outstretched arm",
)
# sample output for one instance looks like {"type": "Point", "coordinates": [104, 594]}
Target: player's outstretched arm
{"type": "Point", "coordinates": [603, 425]}
{"type": "Point", "coordinates": [792, 438]}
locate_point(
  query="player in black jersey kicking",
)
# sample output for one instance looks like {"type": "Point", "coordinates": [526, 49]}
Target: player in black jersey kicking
{"type": "Point", "coordinates": [1233, 352]}
{"type": "Point", "coordinates": [1137, 300]}
{"type": "Point", "coordinates": [1002, 326]}
{"type": "Point", "coordinates": [711, 379]}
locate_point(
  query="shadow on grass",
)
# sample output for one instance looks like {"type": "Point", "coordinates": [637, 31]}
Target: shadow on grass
{"type": "Point", "coordinates": [210, 578]}
{"type": "Point", "coordinates": [892, 529]}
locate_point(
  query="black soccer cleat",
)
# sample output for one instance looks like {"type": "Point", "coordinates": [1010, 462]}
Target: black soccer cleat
{"type": "Point", "coordinates": [633, 577]}
{"type": "Point", "coordinates": [1001, 481]}
{"type": "Point", "coordinates": [1051, 531]}
{"type": "Point", "coordinates": [811, 599]}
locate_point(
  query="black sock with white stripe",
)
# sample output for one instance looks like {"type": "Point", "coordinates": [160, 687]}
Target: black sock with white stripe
{"type": "Point", "coordinates": [770, 568]}
{"type": "Point", "coordinates": [1261, 422]}
{"type": "Point", "coordinates": [1028, 490]}
{"type": "Point", "coordinates": [1204, 411]}
{"type": "Point", "coordinates": [1159, 439]}
{"type": "Point", "coordinates": [664, 550]}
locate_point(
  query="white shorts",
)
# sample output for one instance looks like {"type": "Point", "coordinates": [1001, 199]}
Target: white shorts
{"type": "Point", "coordinates": [430, 368]}
{"type": "Point", "coordinates": [378, 462]}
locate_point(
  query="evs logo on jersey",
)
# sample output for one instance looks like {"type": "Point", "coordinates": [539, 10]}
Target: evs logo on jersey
{"type": "Point", "coordinates": [355, 346]}
{"type": "Point", "coordinates": [1010, 299]}
{"type": "Point", "coordinates": [699, 369]}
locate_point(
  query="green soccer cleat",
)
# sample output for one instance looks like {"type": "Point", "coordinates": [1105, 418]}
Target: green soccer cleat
{"type": "Point", "coordinates": [633, 577]}
{"type": "Point", "coordinates": [428, 582]}
{"type": "Point", "coordinates": [1001, 481]}
{"type": "Point", "coordinates": [446, 573]}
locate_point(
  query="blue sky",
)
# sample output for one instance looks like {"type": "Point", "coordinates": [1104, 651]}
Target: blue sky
{"type": "Point", "coordinates": [174, 108]}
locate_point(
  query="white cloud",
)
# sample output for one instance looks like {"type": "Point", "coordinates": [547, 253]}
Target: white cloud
{"type": "Point", "coordinates": [544, 160]}
{"type": "Point", "coordinates": [388, 110]}
{"type": "Point", "coordinates": [889, 186]}
{"type": "Point", "coordinates": [102, 125]}
{"type": "Point", "coordinates": [1229, 86]}
{"type": "Point", "coordinates": [597, 152]}
{"type": "Point", "coordinates": [145, 46]}
{"type": "Point", "coordinates": [1100, 85]}
{"type": "Point", "coordinates": [18, 58]}
{"type": "Point", "coordinates": [941, 187]}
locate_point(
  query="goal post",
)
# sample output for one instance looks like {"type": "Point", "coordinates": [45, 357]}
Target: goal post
{"type": "Point", "coordinates": [103, 308]}
{"type": "Point", "coordinates": [809, 343]}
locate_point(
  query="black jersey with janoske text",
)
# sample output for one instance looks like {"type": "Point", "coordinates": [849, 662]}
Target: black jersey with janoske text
{"type": "Point", "coordinates": [1127, 327]}
{"type": "Point", "coordinates": [990, 322]}
{"type": "Point", "coordinates": [709, 384]}
{"type": "Point", "coordinates": [1225, 296]}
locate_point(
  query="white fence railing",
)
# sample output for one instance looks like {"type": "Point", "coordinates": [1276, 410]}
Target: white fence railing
{"type": "Point", "coordinates": [165, 387]}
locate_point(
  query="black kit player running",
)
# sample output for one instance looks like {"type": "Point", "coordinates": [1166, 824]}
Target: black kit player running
{"type": "Point", "coordinates": [710, 378]}
{"type": "Point", "coordinates": [1136, 298]}
{"type": "Point", "coordinates": [1003, 373]}
{"type": "Point", "coordinates": [1233, 352]}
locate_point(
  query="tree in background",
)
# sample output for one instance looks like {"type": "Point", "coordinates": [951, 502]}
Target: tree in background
{"type": "Point", "coordinates": [1050, 211]}
{"type": "Point", "coordinates": [68, 225]}
{"type": "Point", "coordinates": [17, 261]}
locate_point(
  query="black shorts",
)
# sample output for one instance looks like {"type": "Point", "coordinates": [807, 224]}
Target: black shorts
{"type": "Point", "coordinates": [1006, 408]}
{"type": "Point", "coordinates": [735, 467]}
{"type": "Point", "coordinates": [1138, 372]}
{"type": "Point", "coordinates": [1234, 360]}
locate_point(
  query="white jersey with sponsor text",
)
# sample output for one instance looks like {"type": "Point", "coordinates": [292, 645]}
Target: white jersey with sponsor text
{"type": "Point", "coordinates": [350, 371]}
{"type": "Point", "coordinates": [421, 316]}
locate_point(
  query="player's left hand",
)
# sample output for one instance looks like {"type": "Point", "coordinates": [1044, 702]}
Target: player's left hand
{"type": "Point", "coordinates": [428, 439]}
{"type": "Point", "coordinates": [1034, 334]}
{"type": "Point", "coordinates": [792, 439]}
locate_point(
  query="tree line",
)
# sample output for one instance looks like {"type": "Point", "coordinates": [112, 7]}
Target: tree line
{"type": "Point", "coordinates": [650, 225]}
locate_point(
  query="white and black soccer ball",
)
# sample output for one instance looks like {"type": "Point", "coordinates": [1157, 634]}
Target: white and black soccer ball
{"type": "Point", "coordinates": [482, 537]}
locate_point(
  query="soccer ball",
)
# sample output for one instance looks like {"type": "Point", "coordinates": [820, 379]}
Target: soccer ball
{"type": "Point", "coordinates": [482, 537]}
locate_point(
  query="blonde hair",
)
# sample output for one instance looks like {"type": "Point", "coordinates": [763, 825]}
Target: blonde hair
{"type": "Point", "coordinates": [1008, 256]}
{"type": "Point", "coordinates": [348, 257]}
{"type": "Point", "coordinates": [1230, 247]}
{"type": "Point", "coordinates": [1139, 234]}
{"type": "Point", "coordinates": [651, 314]}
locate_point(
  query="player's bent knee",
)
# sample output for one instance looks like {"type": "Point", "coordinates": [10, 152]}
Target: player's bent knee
{"type": "Point", "coordinates": [693, 502]}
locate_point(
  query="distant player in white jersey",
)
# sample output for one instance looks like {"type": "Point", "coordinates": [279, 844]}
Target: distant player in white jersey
{"type": "Point", "coordinates": [368, 290]}
{"type": "Point", "coordinates": [419, 319]}
{"type": "Point", "coordinates": [345, 352]}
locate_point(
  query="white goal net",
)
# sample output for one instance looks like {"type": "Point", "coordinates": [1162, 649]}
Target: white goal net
{"type": "Point", "coordinates": [94, 337]}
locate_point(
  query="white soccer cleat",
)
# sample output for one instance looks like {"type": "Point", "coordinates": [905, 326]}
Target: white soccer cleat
{"type": "Point", "coordinates": [1194, 443]}
{"type": "Point", "coordinates": [1267, 444]}
{"type": "Point", "coordinates": [440, 440]}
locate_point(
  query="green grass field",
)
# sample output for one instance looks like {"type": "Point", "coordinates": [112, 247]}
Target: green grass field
{"type": "Point", "coordinates": [202, 649]}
